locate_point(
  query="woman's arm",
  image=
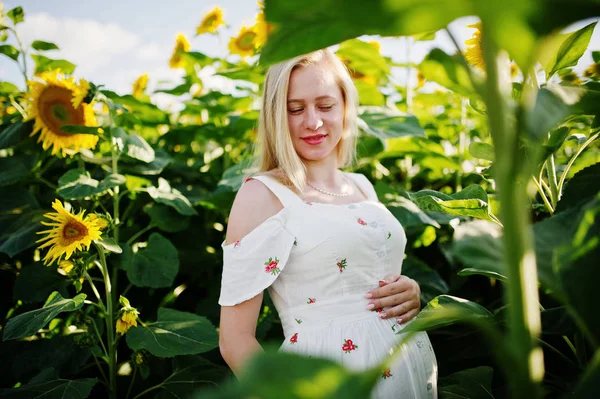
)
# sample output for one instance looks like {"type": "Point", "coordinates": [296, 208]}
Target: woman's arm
{"type": "Point", "coordinates": [400, 294]}
{"type": "Point", "coordinates": [253, 204]}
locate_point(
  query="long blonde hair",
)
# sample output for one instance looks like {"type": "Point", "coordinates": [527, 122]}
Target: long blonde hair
{"type": "Point", "coordinates": [274, 148]}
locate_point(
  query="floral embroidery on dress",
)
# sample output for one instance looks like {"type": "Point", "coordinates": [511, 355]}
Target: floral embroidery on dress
{"type": "Point", "coordinates": [248, 179]}
{"type": "Point", "coordinates": [362, 222]}
{"type": "Point", "coordinates": [389, 235]}
{"type": "Point", "coordinates": [271, 266]}
{"type": "Point", "coordinates": [299, 321]}
{"type": "Point", "coordinates": [374, 224]}
{"type": "Point", "coordinates": [237, 244]}
{"type": "Point", "coordinates": [419, 344]}
{"type": "Point", "coordinates": [387, 373]}
{"type": "Point", "coordinates": [311, 300]}
{"type": "Point", "coordinates": [341, 264]}
{"type": "Point", "coordinates": [308, 203]}
{"type": "Point", "coordinates": [294, 338]}
{"type": "Point", "coordinates": [378, 310]}
{"type": "Point", "coordinates": [295, 241]}
{"type": "Point", "coordinates": [349, 346]}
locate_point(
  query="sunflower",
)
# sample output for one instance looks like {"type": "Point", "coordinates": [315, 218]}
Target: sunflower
{"type": "Point", "coordinates": [245, 42]}
{"type": "Point", "coordinates": [568, 76]}
{"type": "Point", "coordinates": [55, 100]}
{"type": "Point", "coordinates": [127, 316]}
{"type": "Point", "coordinates": [420, 79]}
{"type": "Point", "coordinates": [375, 44]}
{"type": "Point", "coordinates": [69, 232]}
{"type": "Point", "coordinates": [182, 45]}
{"type": "Point", "coordinates": [211, 22]}
{"type": "Point", "coordinates": [474, 52]}
{"type": "Point", "coordinates": [593, 71]}
{"type": "Point", "coordinates": [263, 29]}
{"type": "Point", "coordinates": [140, 85]}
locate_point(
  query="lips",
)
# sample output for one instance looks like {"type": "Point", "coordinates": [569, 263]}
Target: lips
{"type": "Point", "coordinates": [314, 139]}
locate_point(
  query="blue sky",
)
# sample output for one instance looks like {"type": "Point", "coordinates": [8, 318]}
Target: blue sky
{"type": "Point", "coordinates": [112, 42]}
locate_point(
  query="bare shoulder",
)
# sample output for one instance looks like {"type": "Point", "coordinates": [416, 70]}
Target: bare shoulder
{"type": "Point", "coordinates": [253, 204]}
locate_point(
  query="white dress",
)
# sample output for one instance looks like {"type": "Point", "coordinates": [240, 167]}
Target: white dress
{"type": "Point", "coordinates": [318, 261]}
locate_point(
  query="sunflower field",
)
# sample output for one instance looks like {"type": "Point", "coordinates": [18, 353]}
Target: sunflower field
{"type": "Point", "coordinates": [113, 209]}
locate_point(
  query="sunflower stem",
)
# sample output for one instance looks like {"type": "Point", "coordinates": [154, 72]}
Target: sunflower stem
{"type": "Point", "coordinates": [110, 326]}
{"type": "Point", "coordinates": [100, 302]}
{"type": "Point", "coordinates": [139, 233]}
{"type": "Point", "coordinates": [23, 56]}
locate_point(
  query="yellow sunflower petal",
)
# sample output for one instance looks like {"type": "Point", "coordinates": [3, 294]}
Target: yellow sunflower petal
{"type": "Point", "coordinates": [474, 52]}
{"type": "Point", "coordinates": [211, 22]}
{"type": "Point", "coordinates": [55, 100]}
{"type": "Point", "coordinates": [244, 43]}
{"type": "Point", "coordinates": [140, 85]}
{"type": "Point", "coordinates": [182, 45]}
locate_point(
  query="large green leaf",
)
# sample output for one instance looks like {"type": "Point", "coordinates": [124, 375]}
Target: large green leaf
{"type": "Point", "coordinates": [133, 145]}
{"type": "Point", "coordinates": [412, 145]}
{"type": "Point", "coordinates": [234, 176]}
{"type": "Point", "coordinates": [16, 15]}
{"type": "Point", "coordinates": [166, 218]}
{"type": "Point", "coordinates": [174, 333]}
{"type": "Point", "coordinates": [164, 194]}
{"type": "Point", "coordinates": [43, 64]}
{"type": "Point", "coordinates": [580, 188]}
{"type": "Point", "coordinates": [9, 51]}
{"type": "Point", "coordinates": [475, 383]}
{"type": "Point", "coordinates": [447, 71]}
{"type": "Point", "coordinates": [77, 183]}
{"type": "Point", "coordinates": [276, 375]}
{"type": "Point", "coordinates": [144, 112]}
{"type": "Point", "coordinates": [35, 282]}
{"type": "Point", "coordinates": [589, 385]}
{"type": "Point", "coordinates": [190, 374]}
{"type": "Point", "coordinates": [482, 150]}
{"type": "Point", "coordinates": [409, 214]}
{"type": "Point", "coordinates": [565, 50]}
{"type": "Point", "coordinates": [29, 323]}
{"type": "Point", "coordinates": [430, 282]}
{"type": "Point", "coordinates": [14, 133]}
{"type": "Point", "coordinates": [364, 58]}
{"type": "Point", "coordinates": [471, 201]}
{"type": "Point", "coordinates": [15, 169]}
{"type": "Point", "coordinates": [21, 233]}
{"type": "Point", "coordinates": [7, 87]}
{"type": "Point", "coordinates": [548, 111]}
{"type": "Point", "coordinates": [161, 160]}
{"type": "Point", "coordinates": [156, 265]}
{"type": "Point", "coordinates": [578, 271]}
{"type": "Point", "coordinates": [386, 123]}
{"type": "Point", "coordinates": [47, 385]}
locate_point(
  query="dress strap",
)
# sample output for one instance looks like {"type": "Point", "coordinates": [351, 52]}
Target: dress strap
{"type": "Point", "coordinates": [285, 195]}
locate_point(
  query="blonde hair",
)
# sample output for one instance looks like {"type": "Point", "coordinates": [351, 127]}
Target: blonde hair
{"type": "Point", "coordinates": [274, 148]}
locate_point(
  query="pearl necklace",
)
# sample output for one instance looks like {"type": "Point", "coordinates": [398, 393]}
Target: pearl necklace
{"type": "Point", "coordinates": [329, 193]}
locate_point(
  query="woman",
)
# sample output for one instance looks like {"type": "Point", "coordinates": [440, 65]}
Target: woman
{"type": "Point", "coordinates": [319, 239]}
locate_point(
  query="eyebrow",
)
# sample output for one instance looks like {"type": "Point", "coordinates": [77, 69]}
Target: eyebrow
{"type": "Point", "coordinates": [317, 98]}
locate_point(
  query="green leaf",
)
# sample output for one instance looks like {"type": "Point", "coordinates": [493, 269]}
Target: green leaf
{"type": "Point", "coordinates": [78, 183]}
{"type": "Point", "coordinates": [174, 333]}
{"type": "Point", "coordinates": [580, 188]}
{"type": "Point", "coordinates": [364, 58]}
{"type": "Point", "coordinates": [161, 160]}
{"type": "Point", "coordinates": [146, 113]}
{"type": "Point", "coordinates": [164, 194]}
{"type": "Point", "coordinates": [14, 133]}
{"type": "Point", "coordinates": [475, 383]}
{"type": "Point", "coordinates": [35, 282]}
{"type": "Point", "coordinates": [21, 234]}
{"type": "Point", "coordinates": [109, 245]}
{"type": "Point", "coordinates": [471, 201]}
{"type": "Point", "coordinates": [177, 90]}
{"type": "Point", "coordinates": [16, 15]}
{"type": "Point", "coordinates": [138, 148]}
{"type": "Point", "coordinates": [447, 71]}
{"type": "Point", "coordinates": [156, 265]}
{"type": "Point", "coordinates": [29, 323]}
{"type": "Point", "coordinates": [9, 51]}
{"type": "Point", "coordinates": [565, 50]}
{"type": "Point", "coordinates": [15, 169]}
{"type": "Point", "coordinates": [588, 386]}
{"type": "Point", "coordinates": [409, 215]}
{"type": "Point", "coordinates": [41, 45]}
{"type": "Point", "coordinates": [576, 264]}
{"type": "Point", "coordinates": [446, 310]}
{"type": "Point", "coordinates": [430, 282]}
{"type": "Point", "coordinates": [7, 88]}
{"type": "Point", "coordinates": [166, 218]}
{"type": "Point", "coordinates": [482, 150]}
{"type": "Point", "coordinates": [369, 94]}
{"type": "Point", "coordinates": [386, 123]}
{"type": "Point", "coordinates": [44, 64]}
{"type": "Point", "coordinates": [80, 129]}
{"type": "Point", "coordinates": [548, 111]}
{"type": "Point", "coordinates": [49, 386]}
{"type": "Point", "coordinates": [276, 375]}
{"type": "Point", "coordinates": [596, 56]}
{"type": "Point", "coordinates": [190, 375]}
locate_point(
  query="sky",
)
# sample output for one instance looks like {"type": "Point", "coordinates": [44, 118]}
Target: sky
{"type": "Point", "coordinates": [113, 42]}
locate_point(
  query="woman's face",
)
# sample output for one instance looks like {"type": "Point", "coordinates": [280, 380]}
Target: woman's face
{"type": "Point", "coordinates": [315, 112]}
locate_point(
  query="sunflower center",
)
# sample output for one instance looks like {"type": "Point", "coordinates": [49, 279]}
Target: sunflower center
{"type": "Point", "coordinates": [74, 231]}
{"type": "Point", "coordinates": [56, 109]}
{"type": "Point", "coordinates": [246, 42]}
{"type": "Point", "coordinates": [210, 21]}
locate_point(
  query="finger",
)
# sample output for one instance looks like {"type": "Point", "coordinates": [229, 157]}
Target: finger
{"type": "Point", "coordinates": [403, 308]}
{"type": "Point", "coordinates": [403, 284]}
{"type": "Point", "coordinates": [390, 278]}
{"type": "Point", "coordinates": [391, 301]}
{"type": "Point", "coordinates": [407, 316]}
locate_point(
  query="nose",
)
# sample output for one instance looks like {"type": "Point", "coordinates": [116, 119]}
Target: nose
{"type": "Point", "coordinates": [312, 119]}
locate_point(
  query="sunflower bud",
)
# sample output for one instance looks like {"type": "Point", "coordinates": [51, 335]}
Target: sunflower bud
{"type": "Point", "coordinates": [101, 221]}
{"type": "Point", "coordinates": [127, 316]}
{"type": "Point", "coordinates": [65, 266]}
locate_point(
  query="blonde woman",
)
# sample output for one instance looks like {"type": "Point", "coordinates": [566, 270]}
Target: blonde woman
{"type": "Point", "coordinates": [317, 237]}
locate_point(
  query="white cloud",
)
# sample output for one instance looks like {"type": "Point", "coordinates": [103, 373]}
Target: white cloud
{"type": "Point", "coordinates": [150, 52]}
{"type": "Point", "coordinates": [87, 43]}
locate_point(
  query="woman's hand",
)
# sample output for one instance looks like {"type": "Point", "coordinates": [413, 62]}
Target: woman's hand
{"type": "Point", "coordinates": [399, 294]}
